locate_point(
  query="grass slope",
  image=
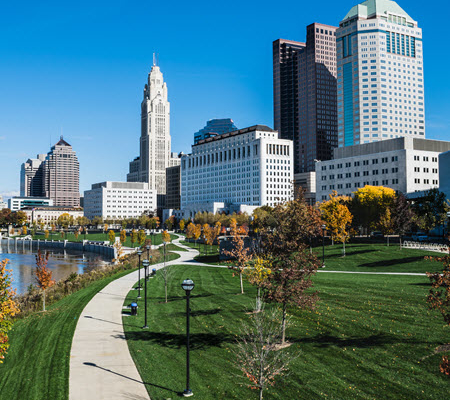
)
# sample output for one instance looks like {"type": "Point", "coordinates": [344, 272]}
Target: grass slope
{"type": "Point", "coordinates": [371, 337]}
{"type": "Point", "coordinates": [37, 364]}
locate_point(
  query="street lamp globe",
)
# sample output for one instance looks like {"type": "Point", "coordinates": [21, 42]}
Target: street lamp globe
{"type": "Point", "coordinates": [147, 247]}
{"type": "Point", "coordinates": [139, 252]}
{"type": "Point", "coordinates": [187, 285]}
{"type": "Point", "coordinates": [324, 227]}
{"type": "Point", "coordinates": [145, 263]}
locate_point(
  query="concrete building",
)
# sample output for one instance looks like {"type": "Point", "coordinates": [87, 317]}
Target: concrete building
{"type": "Point", "coordinates": [49, 215]}
{"type": "Point", "coordinates": [18, 203]}
{"type": "Point", "coordinates": [444, 176]}
{"type": "Point", "coordinates": [173, 187]}
{"type": "Point", "coordinates": [155, 141]}
{"type": "Point", "coordinates": [404, 164]}
{"type": "Point", "coordinates": [3, 204]}
{"type": "Point", "coordinates": [32, 177]}
{"type": "Point", "coordinates": [304, 87]}
{"type": "Point", "coordinates": [215, 127]}
{"type": "Point", "coordinates": [380, 82]}
{"type": "Point", "coordinates": [305, 182]}
{"type": "Point", "coordinates": [61, 173]}
{"type": "Point", "coordinates": [119, 200]}
{"type": "Point", "coordinates": [237, 171]}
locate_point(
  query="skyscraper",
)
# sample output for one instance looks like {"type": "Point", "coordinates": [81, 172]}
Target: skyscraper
{"type": "Point", "coordinates": [31, 177]}
{"type": "Point", "coordinates": [380, 74]}
{"type": "Point", "coordinates": [304, 78]}
{"type": "Point", "coordinates": [61, 175]}
{"type": "Point", "coordinates": [215, 127]}
{"type": "Point", "coordinates": [155, 141]}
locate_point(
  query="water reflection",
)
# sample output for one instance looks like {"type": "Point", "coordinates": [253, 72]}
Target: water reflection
{"type": "Point", "coordinates": [22, 262]}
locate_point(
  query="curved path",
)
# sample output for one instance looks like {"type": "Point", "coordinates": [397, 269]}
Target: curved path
{"type": "Point", "coordinates": [101, 366]}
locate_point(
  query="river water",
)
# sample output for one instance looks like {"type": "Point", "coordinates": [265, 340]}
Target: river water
{"type": "Point", "coordinates": [62, 263]}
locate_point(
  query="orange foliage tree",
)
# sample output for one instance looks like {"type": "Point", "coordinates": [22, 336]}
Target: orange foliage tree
{"type": "Point", "coordinates": [8, 308]}
{"type": "Point", "coordinates": [43, 274]}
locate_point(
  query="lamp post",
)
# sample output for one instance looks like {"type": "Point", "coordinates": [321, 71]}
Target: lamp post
{"type": "Point", "coordinates": [145, 263]}
{"type": "Point", "coordinates": [187, 286]}
{"type": "Point", "coordinates": [164, 254]}
{"type": "Point", "coordinates": [148, 258]}
{"type": "Point", "coordinates": [138, 287]}
{"type": "Point", "coordinates": [324, 227]}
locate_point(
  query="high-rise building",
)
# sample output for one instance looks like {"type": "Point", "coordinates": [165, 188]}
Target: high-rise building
{"type": "Point", "coordinates": [61, 175]}
{"type": "Point", "coordinates": [215, 127]}
{"type": "Point", "coordinates": [155, 141]}
{"type": "Point", "coordinates": [380, 74]}
{"type": "Point", "coordinates": [31, 177]}
{"type": "Point", "coordinates": [173, 187]}
{"type": "Point", "coordinates": [304, 79]}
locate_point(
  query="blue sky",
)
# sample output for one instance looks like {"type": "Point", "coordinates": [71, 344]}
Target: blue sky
{"type": "Point", "coordinates": [79, 68]}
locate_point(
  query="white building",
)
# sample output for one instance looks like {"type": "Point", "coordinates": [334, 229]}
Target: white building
{"type": "Point", "coordinates": [379, 74]}
{"type": "Point", "coordinates": [49, 215]}
{"type": "Point", "coordinates": [17, 203]}
{"type": "Point", "coordinates": [3, 204]}
{"type": "Point", "coordinates": [155, 141]}
{"type": "Point", "coordinates": [237, 171]}
{"type": "Point", "coordinates": [119, 200]}
{"type": "Point", "coordinates": [403, 164]}
{"type": "Point", "coordinates": [444, 176]}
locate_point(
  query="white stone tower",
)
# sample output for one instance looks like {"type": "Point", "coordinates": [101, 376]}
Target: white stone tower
{"type": "Point", "coordinates": [155, 142]}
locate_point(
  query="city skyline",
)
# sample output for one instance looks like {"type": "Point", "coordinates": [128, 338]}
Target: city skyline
{"type": "Point", "coordinates": [90, 88]}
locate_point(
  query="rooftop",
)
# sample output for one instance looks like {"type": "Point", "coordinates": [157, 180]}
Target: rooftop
{"type": "Point", "coordinates": [253, 128]}
{"type": "Point", "coordinates": [372, 8]}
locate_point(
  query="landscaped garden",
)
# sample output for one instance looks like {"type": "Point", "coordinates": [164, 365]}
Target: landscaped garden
{"type": "Point", "coordinates": [370, 337]}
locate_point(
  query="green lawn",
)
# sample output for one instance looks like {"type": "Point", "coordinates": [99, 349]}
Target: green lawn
{"type": "Point", "coordinates": [371, 337]}
{"type": "Point", "coordinates": [156, 239]}
{"type": "Point", "coordinates": [208, 254]}
{"type": "Point", "coordinates": [377, 258]}
{"type": "Point", "coordinates": [37, 364]}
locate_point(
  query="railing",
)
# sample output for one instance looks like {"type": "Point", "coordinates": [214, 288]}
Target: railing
{"type": "Point", "coordinates": [441, 248]}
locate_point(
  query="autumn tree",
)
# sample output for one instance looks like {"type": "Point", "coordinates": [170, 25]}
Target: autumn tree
{"type": "Point", "coordinates": [439, 299]}
{"type": "Point", "coordinates": [369, 204]}
{"type": "Point", "coordinates": [76, 234]}
{"type": "Point", "coordinates": [133, 237]}
{"type": "Point", "coordinates": [143, 220]}
{"type": "Point", "coordinates": [206, 233]}
{"type": "Point", "coordinates": [257, 354]}
{"type": "Point", "coordinates": [386, 224]}
{"type": "Point", "coordinates": [257, 273]}
{"type": "Point", "coordinates": [190, 231]}
{"type": "Point", "coordinates": [240, 254]}
{"type": "Point", "coordinates": [24, 230]}
{"type": "Point", "coordinates": [197, 232]}
{"type": "Point", "coordinates": [292, 266]}
{"type": "Point", "coordinates": [8, 308]}
{"type": "Point", "coordinates": [337, 217]}
{"type": "Point", "coordinates": [141, 237]}
{"type": "Point", "coordinates": [43, 274]}
{"type": "Point", "coordinates": [46, 233]}
{"type": "Point", "coordinates": [182, 224]}
{"type": "Point", "coordinates": [123, 236]}
{"type": "Point", "coordinates": [112, 237]}
{"type": "Point", "coordinates": [64, 220]}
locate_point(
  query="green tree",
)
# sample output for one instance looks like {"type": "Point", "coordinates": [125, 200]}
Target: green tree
{"type": "Point", "coordinates": [64, 220]}
{"type": "Point", "coordinates": [431, 209]}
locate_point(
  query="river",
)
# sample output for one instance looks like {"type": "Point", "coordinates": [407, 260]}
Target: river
{"type": "Point", "coordinates": [62, 263]}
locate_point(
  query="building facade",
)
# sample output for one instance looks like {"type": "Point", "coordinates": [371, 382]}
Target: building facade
{"type": "Point", "coordinates": [173, 187]}
{"type": "Point", "coordinates": [404, 164]}
{"type": "Point", "coordinates": [18, 203]}
{"type": "Point", "coordinates": [32, 177]}
{"type": "Point", "coordinates": [444, 176]}
{"type": "Point", "coordinates": [380, 74]}
{"type": "Point", "coordinates": [61, 173]}
{"type": "Point", "coordinates": [215, 127]}
{"type": "Point", "coordinates": [155, 141]}
{"type": "Point", "coordinates": [3, 204]}
{"type": "Point", "coordinates": [49, 215]}
{"type": "Point", "coordinates": [304, 78]}
{"type": "Point", "coordinates": [119, 200]}
{"type": "Point", "coordinates": [250, 167]}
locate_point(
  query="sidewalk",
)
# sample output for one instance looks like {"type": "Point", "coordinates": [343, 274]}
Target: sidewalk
{"type": "Point", "coordinates": [101, 367]}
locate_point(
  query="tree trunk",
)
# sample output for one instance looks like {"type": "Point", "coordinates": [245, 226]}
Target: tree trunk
{"type": "Point", "coordinates": [343, 242]}
{"type": "Point", "coordinates": [242, 284]}
{"type": "Point", "coordinates": [261, 393]}
{"type": "Point", "coordinates": [400, 237]}
{"type": "Point", "coordinates": [283, 325]}
{"type": "Point", "coordinates": [387, 240]}
{"type": "Point", "coordinates": [43, 304]}
{"type": "Point", "coordinates": [258, 300]}
{"type": "Point", "coordinates": [332, 240]}
{"type": "Point", "coordinates": [165, 288]}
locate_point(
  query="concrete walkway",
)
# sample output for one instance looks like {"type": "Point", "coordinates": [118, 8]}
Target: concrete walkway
{"type": "Point", "coordinates": [101, 367]}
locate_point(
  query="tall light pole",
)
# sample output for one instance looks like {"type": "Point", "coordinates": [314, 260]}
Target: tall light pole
{"type": "Point", "coordinates": [148, 258]}
{"type": "Point", "coordinates": [324, 227]}
{"type": "Point", "coordinates": [145, 263]}
{"type": "Point", "coordinates": [138, 287]}
{"type": "Point", "coordinates": [187, 286]}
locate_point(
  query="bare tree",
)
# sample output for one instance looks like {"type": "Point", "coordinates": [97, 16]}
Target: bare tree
{"type": "Point", "coordinates": [256, 350]}
{"type": "Point", "coordinates": [166, 274]}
